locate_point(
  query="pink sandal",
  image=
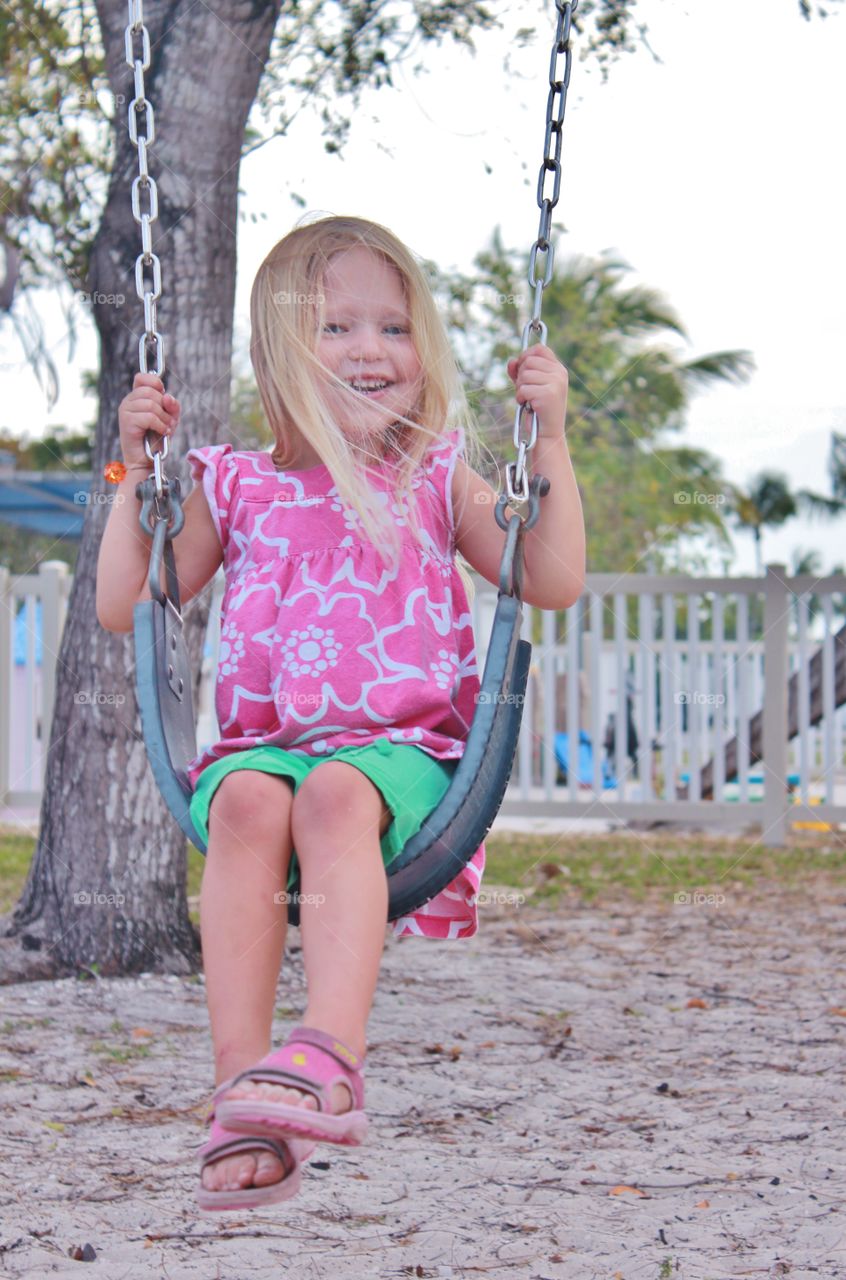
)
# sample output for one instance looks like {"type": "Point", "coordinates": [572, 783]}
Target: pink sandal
{"type": "Point", "coordinates": [224, 1142]}
{"type": "Point", "coordinates": [309, 1060]}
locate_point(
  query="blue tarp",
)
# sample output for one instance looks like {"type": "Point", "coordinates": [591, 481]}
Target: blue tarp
{"type": "Point", "coordinates": [585, 765]}
{"type": "Point", "coordinates": [22, 640]}
{"type": "Point", "coordinates": [51, 503]}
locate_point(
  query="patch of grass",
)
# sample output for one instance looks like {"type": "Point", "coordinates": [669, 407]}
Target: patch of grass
{"type": "Point", "coordinates": [24, 1024]}
{"type": "Point", "coordinates": [15, 856]}
{"type": "Point", "coordinates": [196, 862]}
{"type": "Point", "coordinates": [548, 867]}
{"type": "Point", "coordinates": [638, 863]}
{"type": "Point", "coordinates": [120, 1053]}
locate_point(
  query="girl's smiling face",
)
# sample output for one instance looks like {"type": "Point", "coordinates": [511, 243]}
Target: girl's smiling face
{"type": "Point", "coordinates": [366, 343]}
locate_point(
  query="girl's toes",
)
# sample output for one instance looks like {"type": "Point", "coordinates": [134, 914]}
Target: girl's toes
{"type": "Point", "coordinates": [294, 1097]}
{"type": "Point", "coordinates": [241, 1172]}
{"type": "Point", "coordinates": [268, 1169]}
{"type": "Point", "coordinates": [220, 1175]}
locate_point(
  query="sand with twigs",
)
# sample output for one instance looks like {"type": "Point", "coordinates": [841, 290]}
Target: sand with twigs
{"type": "Point", "coordinates": [619, 1091]}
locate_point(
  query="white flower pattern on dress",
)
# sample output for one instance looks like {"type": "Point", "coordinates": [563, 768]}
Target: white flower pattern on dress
{"type": "Point", "coordinates": [230, 651]}
{"type": "Point", "coordinates": [400, 513]}
{"type": "Point", "coordinates": [310, 652]}
{"type": "Point", "coordinates": [444, 670]}
{"type": "Point", "coordinates": [352, 520]}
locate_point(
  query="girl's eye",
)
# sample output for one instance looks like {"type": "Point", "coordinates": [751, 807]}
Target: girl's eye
{"type": "Point", "coordinates": [330, 328]}
{"type": "Point", "coordinates": [396, 328]}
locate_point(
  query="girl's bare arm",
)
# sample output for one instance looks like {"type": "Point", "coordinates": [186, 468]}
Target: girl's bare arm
{"type": "Point", "coordinates": [124, 559]}
{"type": "Point", "coordinates": [554, 550]}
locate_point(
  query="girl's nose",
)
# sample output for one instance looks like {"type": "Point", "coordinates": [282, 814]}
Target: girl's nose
{"type": "Point", "coordinates": [366, 343]}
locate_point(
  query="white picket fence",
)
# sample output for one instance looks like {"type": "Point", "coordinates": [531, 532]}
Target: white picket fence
{"type": "Point", "coordinates": [694, 659]}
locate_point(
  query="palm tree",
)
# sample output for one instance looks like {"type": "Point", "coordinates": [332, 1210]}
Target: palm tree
{"type": "Point", "coordinates": [802, 562]}
{"type": "Point", "coordinates": [767, 503]}
{"type": "Point", "coordinates": [630, 388]}
{"type": "Point", "coordinates": [819, 504]}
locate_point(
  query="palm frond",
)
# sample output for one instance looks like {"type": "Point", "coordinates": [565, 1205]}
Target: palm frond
{"type": "Point", "coordinates": [728, 366]}
{"type": "Point", "coordinates": [817, 504]}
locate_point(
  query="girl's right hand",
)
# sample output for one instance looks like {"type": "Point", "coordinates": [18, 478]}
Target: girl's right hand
{"type": "Point", "coordinates": [148, 407]}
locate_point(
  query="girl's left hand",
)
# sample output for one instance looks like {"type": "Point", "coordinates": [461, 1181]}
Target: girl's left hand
{"type": "Point", "coordinates": [541, 379]}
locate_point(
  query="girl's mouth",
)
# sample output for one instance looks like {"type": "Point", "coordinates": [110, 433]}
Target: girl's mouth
{"type": "Point", "coordinates": [372, 388]}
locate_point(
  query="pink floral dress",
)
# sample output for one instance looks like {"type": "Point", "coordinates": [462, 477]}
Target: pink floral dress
{"type": "Point", "coordinates": [322, 646]}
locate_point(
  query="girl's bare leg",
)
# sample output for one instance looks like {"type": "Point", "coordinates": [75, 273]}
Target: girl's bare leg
{"type": "Point", "coordinates": [242, 950]}
{"type": "Point", "coordinates": [243, 935]}
{"type": "Point", "coordinates": [336, 824]}
{"type": "Point", "coordinates": [337, 818]}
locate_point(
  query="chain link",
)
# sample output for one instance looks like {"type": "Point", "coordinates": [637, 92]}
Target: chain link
{"type": "Point", "coordinates": [147, 264]}
{"type": "Point", "coordinates": [516, 473]}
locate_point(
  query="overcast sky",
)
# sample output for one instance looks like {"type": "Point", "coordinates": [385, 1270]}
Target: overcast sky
{"type": "Point", "coordinates": [716, 173]}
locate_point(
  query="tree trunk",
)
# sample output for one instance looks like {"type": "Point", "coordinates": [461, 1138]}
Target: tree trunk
{"type": "Point", "coordinates": [107, 883]}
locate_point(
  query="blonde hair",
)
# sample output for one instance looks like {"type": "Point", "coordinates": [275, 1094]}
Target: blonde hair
{"type": "Point", "coordinates": [286, 313]}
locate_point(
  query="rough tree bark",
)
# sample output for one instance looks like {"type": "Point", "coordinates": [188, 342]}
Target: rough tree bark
{"type": "Point", "coordinates": [104, 829]}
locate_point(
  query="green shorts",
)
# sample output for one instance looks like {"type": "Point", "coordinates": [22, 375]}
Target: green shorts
{"type": "Point", "coordinates": [411, 782]}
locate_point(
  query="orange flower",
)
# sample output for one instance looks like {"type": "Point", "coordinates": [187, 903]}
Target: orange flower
{"type": "Point", "coordinates": [114, 472]}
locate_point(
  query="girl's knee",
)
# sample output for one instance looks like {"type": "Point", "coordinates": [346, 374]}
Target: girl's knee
{"type": "Point", "coordinates": [248, 801]}
{"type": "Point", "coordinates": [337, 795]}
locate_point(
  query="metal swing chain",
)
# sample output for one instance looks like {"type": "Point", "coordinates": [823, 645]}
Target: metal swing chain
{"type": "Point", "coordinates": [559, 79]}
{"type": "Point", "coordinates": [161, 513]}
{"type": "Point", "coordinates": [148, 290]}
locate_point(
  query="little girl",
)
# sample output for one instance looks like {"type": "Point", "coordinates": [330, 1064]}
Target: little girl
{"type": "Point", "coordinates": [347, 677]}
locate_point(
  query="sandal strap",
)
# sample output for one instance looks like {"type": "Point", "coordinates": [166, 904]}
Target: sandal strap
{"type": "Point", "coordinates": [278, 1075]}
{"type": "Point", "coordinates": [238, 1143]}
{"type": "Point", "coordinates": [350, 1074]}
{"type": "Point", "coordinates": [322, 1040]}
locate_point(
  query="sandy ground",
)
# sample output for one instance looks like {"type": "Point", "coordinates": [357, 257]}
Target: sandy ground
{"type": "Point", "coordinates": [544, 1102]}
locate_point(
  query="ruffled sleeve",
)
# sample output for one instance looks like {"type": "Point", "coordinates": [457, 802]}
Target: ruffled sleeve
{"type": "Point", "coordinates": [441, 459]}
{"type": "Point", "coordinates": [214, 466]}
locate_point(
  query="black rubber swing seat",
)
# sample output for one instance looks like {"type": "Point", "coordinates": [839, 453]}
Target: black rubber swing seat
{"type": "Point", "coordinates": [453, 831]}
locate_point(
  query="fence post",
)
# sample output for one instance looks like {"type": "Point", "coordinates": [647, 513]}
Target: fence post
{"type": "Point", "coordinates": [7, 632]}
{"type": "Point", "coordinates": [53, 576]}
{"type": "Point", "coordinates": [776, 620]}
